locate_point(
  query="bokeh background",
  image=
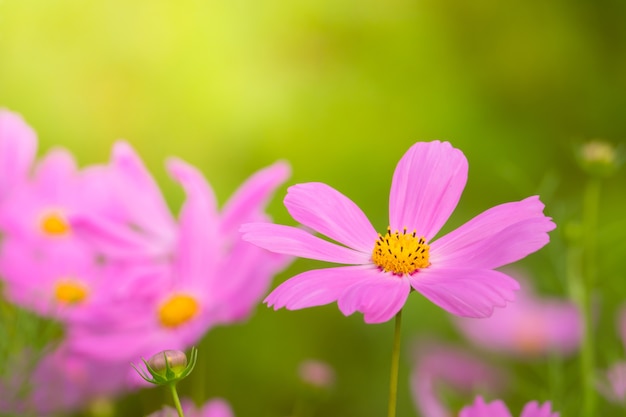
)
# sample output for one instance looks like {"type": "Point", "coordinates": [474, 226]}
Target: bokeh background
{"type": "Point", "coordinates": [340, 89]}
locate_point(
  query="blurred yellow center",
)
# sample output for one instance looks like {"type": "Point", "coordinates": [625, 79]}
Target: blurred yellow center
{"type": "Point", "coordinates": [400, 252]}
{"type": "Point", "coordinates": [54, 224]}
{"type": "Point", "coordinates": [177, 310]}
{"type": "Point", "coordinates": [530, 338]}
{"type": "Point", "coordinates": [70, 292]}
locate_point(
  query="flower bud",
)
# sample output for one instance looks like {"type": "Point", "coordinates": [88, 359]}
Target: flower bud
{"type": "Point", "coordinates": [175, 360]}
{"type": "Point", "coordinates": [167, 367]}
{"type": "Point", "coordinates": [599, 158]}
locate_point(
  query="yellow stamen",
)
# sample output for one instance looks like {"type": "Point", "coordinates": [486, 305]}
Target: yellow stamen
{"type": "Point", "coordinates": [70, 292]}
{"type": "Point", "coordinates": [400, 252]}
{"type": "Point", "coordinates": [54, 224]}
{"type": "Point", "coordinates": [177, 310]}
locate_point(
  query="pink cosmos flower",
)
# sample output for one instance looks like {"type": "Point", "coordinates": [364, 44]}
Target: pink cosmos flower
{"type": "Point", "coordinates": [46, 267]}
{"type": "Point", "coordinates": [40, 208]}
{"type": "Point", "coordinates": [212, 408]}
{"type": "Point", "coordinates": [530, 326]}
{"type": "Point", "coordinates": [498, 409]}
{"type": "Point", "coordinates": [440, 366]}
{"type": "Point", "coordinates": [144, 229]}
{"type": "Point", "coordinates": [456, 271]}
{"type": "Point", "coordinates": [209, 275]}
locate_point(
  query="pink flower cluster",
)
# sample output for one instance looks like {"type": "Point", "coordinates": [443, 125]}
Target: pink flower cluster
{"type": "Point", "coordinates": [98, 249]}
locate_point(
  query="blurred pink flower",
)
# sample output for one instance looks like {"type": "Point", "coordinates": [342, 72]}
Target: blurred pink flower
{"type": "Point", "coordinates": [204, 239]}
{"type": "Point", "coordinates": [440, 366]}
{"type": "Point", "coordinates": [612, 382]}
{"type": "Point", "coordinates": [212, 408]}
{"type": "Point", "coordinates": [99, 249]}
{"type": "Point", "coordinates": [498, 409]}
{"type": "Point", "coordinates": [44, 265]}
{"type": "Point", "coordinates": [316, 373]}
{"type": "Point", "coordinates": [41, 206]}
{"type": "Point", "coordinates": [529, 326]}
{"type": "Point", "coordinates": [210, 276]}
{"type": "Point", "coordinates": [456, 271]}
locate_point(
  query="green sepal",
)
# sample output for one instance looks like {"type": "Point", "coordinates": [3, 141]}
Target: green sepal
{"type": "Point", "coordinates": [155, 377]}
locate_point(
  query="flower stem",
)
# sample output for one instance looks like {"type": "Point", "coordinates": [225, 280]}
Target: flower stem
{"type": "Point", "coordinates": [395, 365]}
{"type": "Point", "coordinates": [176, 399]}
{"type": "Point", "coordinates": [591, 203]}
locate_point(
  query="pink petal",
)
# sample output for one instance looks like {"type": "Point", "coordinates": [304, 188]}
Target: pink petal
{"type": "Point", "coordinates": [481, 409]}
{"type": "Point", "coordinates": [117, 240]}
{"type": "Point", "coordinates": [533, 409]}
{"type": "Point", "coordinates": [316, 287]}
{"type": "Point", "coordinates": [496, 237]}
{"type": "Point", "coordinates": [378, 295]}
{"type": "Point", "coordinates": [167, 411]}
{"type": "Point", "coordinates": [199, 246]}
{"type": "Point", "coordinates": [252, 197]}
{"type": "Point", "coordinates": [426, 187]}
{"type": "Point", "coordinates": [425, 397]}
{"type": "Point", "coordinates": [56, 173]}
{"type": "Point", "coordinates": [216, 408]}
{"type": "Point", "coordinates": [18, 146]}
{"type": "Point", "coordinates": [327, 211]}
{"type": "Point", "coordinates": [465, 292]}
{"type": "Point", "coordinates": [140, 193]}
{"type": "Point", "coordinates": [117, 344]}
{"type": "Point", "coordinates": [297, 242]}
{"type": "Point", "coordinates": [244, 276]}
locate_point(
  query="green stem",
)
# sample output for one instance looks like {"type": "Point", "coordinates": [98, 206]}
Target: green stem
{"type": "Point", "coordinates": [176, 399]}
{"type": "Point", "coordinates": [395, 365]}
{"type": "Point", "coordinates": [591, 203]}
{"type": "Point", "coordinates": [591, 206]}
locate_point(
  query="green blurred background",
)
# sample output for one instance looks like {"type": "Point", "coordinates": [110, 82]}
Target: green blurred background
{"type": "Point", "coordinates": [340, 89]}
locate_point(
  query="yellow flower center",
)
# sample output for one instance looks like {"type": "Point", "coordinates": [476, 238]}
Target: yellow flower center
{"type": "Point", "coordinates": [70, 292]}
{"type": "Point", "coordinates": [54, 224]}
{"type": "Point", "coordinates": [530, 337]}
{"type": "Point", "coordinates": [177, 310]}
{"type": "Point", "coordinates": [400, 252]}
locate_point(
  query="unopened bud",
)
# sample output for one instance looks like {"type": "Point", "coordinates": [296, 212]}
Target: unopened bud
{"type": "Point", "coordinates": [168, 366]}
{"type": "Point", "coordinates": [175, 360]}
{"type": "Point", "coordinates": [599, 158]}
